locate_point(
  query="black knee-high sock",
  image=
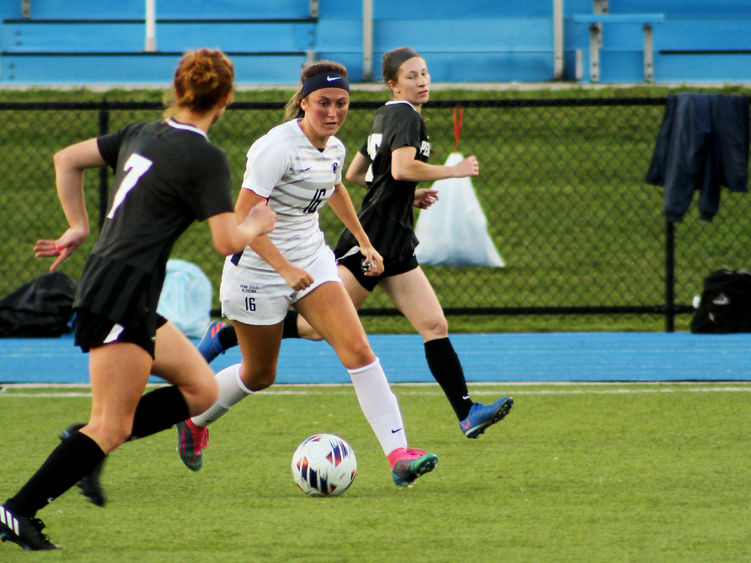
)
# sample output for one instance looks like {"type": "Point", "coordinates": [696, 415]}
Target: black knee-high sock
{"type": "Point", "coordinates": [290, 325]}
{"type": "Point", "coordinates": [75, 457]}
{"type": "Point", "coordinates": [227, 337]}
{"type": "Point", "coordinates": [445, 366]}
{"type": "Point", "coordinates": [158, 410]}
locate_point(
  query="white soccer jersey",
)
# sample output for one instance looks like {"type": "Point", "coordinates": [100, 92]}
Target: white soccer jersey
{"type": "Point", "coordinates": [297, 178]}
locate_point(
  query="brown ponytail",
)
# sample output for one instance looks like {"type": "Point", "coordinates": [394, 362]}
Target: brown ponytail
{"type": "Point", "coordinates": [202, 80]}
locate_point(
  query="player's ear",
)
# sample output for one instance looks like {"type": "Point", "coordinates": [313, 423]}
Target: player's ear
{"type": "Point", "coordinates": [225, 101]}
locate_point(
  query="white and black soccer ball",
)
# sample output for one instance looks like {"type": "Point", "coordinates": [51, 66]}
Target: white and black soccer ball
{"type": "Point", "coordinates": [324, 465]}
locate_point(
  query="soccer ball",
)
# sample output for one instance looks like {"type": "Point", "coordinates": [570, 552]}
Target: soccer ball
{"type": "Point", "coordinates": [324, 465]}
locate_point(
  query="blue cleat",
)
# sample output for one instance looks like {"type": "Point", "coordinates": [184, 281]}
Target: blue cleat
{"type": "Point", "coordinates": [210, 346]}
{"type": "Point", "coordinates": [481, 416]}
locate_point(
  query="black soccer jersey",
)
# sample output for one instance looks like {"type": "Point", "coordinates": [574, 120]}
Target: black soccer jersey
{"type": "Point", "coordinates": [167, 175]}
{"type": "Point", "coordinates": [386, 212]}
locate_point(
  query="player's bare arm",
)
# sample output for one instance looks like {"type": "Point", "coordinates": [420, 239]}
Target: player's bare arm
{"type": "Point", "coordinates": [341, 204]}
{"type": "Point", "coordinates": [357, 170]}
{"type": "Point", "coordinates": [405, 167]}
{"type": "Point", "coordinates": [425, 197]}
{"type": "Point", "coordinates": [70, 163]}
{"type": "Point", "coordinates": [229, 236]}
{"type": "Point", "coordinates": [296, 278]}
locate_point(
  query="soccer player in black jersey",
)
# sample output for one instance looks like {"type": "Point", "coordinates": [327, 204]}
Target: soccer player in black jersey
{"type": "Point", "coordinates": [168, 175]}
{"type": "Point", "coordinates": [390, 164]}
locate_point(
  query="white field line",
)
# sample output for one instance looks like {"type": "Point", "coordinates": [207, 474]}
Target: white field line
{"type": "Point", "coordinates": [597, 388]}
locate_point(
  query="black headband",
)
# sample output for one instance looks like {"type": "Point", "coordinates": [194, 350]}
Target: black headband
{"type": "Point", "coordinates": [324, 80]}
{"type": "Point", "coordinates": [398, 59]}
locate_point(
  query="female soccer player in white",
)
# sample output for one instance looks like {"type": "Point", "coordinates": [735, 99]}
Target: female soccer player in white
{"type": "Point", "coordinates": [168, 175]}
{"type": "Point", "coordinates": [390, 164]}
{"type": "Point", "coordinates": [296, 167]}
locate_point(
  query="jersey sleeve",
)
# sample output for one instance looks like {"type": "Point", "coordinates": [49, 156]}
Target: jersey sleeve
{"type": "Point", "coordinates": [405, 128]}
{"type": "Point", "coordinates": [109, 144]}
{"type": "Point", "coordinates": [340, 158]}
{"type": "Point", "coordinates": [266, 164]}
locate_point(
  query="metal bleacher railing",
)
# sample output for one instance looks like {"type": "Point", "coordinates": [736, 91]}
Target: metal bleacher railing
{"type": "Point", "coordinates": [48, 42]}
{"type": "Point", "coordinates": [106, 45]}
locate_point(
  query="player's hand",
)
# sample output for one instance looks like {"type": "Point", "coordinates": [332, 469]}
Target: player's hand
{"type": "Point", "coordinates": [262, 218]}
{"type": "Point", "coordinates": [425, 197]}
{"type": "Point", "coordinates": [61, 248]}
{"type": "Point", "coordinates": [297, 278]}
{"type": "Point", "coordinates": [372, 262]}
{"type": "Point", "coordinates": [467, 167]}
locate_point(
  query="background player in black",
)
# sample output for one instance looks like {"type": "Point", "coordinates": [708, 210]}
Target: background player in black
{"type": "Point", "coordinates": [390, 164]}
{"type": "Point", "coordinates": [167, 176]}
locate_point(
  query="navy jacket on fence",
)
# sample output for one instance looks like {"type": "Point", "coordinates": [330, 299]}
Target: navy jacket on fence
{"type": "Point", "coordinates": [702, 145]}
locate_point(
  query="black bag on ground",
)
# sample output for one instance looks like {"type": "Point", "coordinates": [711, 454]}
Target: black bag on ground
{"type": "Point", "coordinates": [41, 308]}
{"type": "Point", "coordinates": [725, 304]}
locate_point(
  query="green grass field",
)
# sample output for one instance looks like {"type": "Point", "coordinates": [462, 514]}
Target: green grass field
{"type": "Point", "coordinates": [633, 472]}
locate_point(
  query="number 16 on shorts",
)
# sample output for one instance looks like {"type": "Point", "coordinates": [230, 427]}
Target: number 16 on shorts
{"type": "Point", "coordinates": [250, 303]}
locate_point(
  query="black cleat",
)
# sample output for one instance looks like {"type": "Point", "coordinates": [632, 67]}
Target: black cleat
{"type": "Point", "coordinates": [24, 531]}
{"type": "Point", "coordinates": [89, 485]}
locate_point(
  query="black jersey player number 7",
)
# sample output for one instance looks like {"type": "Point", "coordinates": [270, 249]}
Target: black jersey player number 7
{"type": "Point", "coordinates": [135, 167]}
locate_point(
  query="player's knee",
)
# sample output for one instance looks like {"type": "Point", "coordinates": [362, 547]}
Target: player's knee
{"type": "Point", "coordinates": [309, 333]}
{"type": "Point", "coordinates": [109, 434]}
{"type": "Point", "coordinates": [201, 392]}
{"type": "Point", "coordinates": [206, 395]}
{"type": "Point", "coordinates": [258, 380]}
{"type": "Point", "coordinates": [122, 433]}
{"type": "Point", "coordinates": [433, 328]}
{"type": "Point", "coordinates": [357, 354]}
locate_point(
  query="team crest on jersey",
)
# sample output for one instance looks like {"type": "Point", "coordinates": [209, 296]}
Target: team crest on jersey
{"type": "Point", "coordinates": [334, 166]}
{"type": "Point", "coordinates": [245, 288]}
{"type": "Point", "coordinates": [425, 149]}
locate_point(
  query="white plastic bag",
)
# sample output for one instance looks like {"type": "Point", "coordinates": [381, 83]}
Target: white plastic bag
{"type": "Point", "coordinates": [186, 298]}
{"type": "Point", "coordinates": [453, 231]}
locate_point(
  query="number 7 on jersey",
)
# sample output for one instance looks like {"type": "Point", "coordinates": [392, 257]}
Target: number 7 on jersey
{"type": "Point", "coordinates": [135, 167]}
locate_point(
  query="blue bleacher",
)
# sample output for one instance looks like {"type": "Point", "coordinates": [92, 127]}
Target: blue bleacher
{"type": "Point", "coordinates": [695, 42]}
{"type": "Point", "coordinates": [171, 9]}
{"type": "Point", "coordinates": [103, 42]}
{"type": "Point", "coordinates": [98, 41]}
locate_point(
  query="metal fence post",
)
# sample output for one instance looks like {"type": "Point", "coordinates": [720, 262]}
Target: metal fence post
{"type": "Point", "coordinates": [104, 120]}
{"type": "Point", "coordinates": [367, 40]}
{"type": "Point", "coordinates": [669, 276]}
{"type": "Point", "coordinates": [558, 39]}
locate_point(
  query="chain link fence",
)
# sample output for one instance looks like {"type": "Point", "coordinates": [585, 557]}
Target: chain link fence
{"type": "Point", "coordinates": [561, 184]}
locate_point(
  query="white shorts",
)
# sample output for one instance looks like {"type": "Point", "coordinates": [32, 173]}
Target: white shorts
{"type": "Point", "coordinates": [258, 297]}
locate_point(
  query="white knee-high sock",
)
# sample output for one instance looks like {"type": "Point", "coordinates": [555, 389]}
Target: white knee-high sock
{"type": "Point", "coordinates": [379, 405]}
{"type": "Point", "coordinates": [232, 390]}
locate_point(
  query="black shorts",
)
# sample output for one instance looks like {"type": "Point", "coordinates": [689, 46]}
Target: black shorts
{"type": "Point", "coordinates": [93, 331]}
{"type": "Point", "coordinates": [353, 262]}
